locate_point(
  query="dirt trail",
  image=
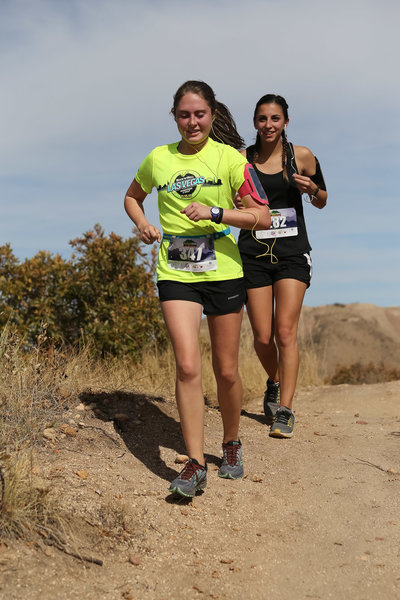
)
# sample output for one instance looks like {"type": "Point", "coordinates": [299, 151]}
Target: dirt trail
{"type": "Point", "coordinates": [316, 516]}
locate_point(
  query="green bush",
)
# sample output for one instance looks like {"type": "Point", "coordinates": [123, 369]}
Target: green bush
{"type": "Point", "coordinates": [104, 294]}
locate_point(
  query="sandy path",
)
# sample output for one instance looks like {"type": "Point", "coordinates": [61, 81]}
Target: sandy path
{"type": "Point", "coordinates": [316, 516]}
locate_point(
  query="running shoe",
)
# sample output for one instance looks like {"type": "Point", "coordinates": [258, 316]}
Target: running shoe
{"type": "Point", "coordinates": [232, 464]}
{"type": "Point", "coordinates": [283, 423]}
{"type": "Point", "coordinates": [272, 397]}
{"type": "Point", "coordinates": [192, 479]}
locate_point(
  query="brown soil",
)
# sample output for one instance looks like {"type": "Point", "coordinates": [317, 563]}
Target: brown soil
{"type": "Point", "coordinates": [317, 516]}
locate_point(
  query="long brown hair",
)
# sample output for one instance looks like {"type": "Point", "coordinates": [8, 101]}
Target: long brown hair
{"type": "Point", "coordinates": [224, 127]}
{"type": "Point", "coordinates": [280, 100]}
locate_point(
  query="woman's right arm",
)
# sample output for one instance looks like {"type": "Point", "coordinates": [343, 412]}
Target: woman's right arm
{"type": "Point", "coordinates": [133, 203]}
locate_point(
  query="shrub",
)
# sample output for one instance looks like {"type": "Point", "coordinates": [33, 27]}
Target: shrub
{"type": "Point", "coordinates": [104, 294]}
{"type": "Point", "coordinates": [358, 373]}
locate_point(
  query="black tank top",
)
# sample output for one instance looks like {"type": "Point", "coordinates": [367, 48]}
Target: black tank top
{"type": "Point", "coordinates": [281, 194]}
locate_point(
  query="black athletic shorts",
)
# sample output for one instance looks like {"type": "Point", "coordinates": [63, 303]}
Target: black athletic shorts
{"type": "Point", "coordinates": [260, 272]}
{"type": "Point", "coordinates": [216, 297]}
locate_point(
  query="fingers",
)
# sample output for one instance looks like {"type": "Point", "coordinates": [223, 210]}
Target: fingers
{"type": "Point", "coordinates": [238, 202]}
{"type": "Point", "coordinates": [150, 234]}
{"type": "Point", "coordinates": [303, 184]}
{"type": "Point", "coordinates": [197, 212]}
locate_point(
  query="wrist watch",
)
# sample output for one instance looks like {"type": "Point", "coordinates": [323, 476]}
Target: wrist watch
{"type": "Point", "coordinates": [216, 214]}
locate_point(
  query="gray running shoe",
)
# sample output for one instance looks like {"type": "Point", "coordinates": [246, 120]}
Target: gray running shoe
{"type": "Point", "coordinates": [192, 479]}
{"type": "Point", "coordinates": [232, 464]}
{"type": "Point", "coordinates": [272, 397]}
{"type": "Point", "coordinates": [283, 423]}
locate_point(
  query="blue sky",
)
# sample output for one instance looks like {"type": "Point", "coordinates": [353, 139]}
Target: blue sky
{"type": "Point", "coordinates": [87, 86]}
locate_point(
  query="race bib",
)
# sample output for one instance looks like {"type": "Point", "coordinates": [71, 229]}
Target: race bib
{"type": "Point", "coordinates": [194, 254]}
{"type": "Point", "coordinates": [283, 224]}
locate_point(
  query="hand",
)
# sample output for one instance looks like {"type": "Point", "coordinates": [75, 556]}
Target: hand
{"type": "Point", "coordinates": [197, 212]}
{"type": "Point", "coordinates": [150, 234]}
{"type": "Point", "coordinates": [238, 202]}
{"type": "Point", "coordinates": [304, 184]}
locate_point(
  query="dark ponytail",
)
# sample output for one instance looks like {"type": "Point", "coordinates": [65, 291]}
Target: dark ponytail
{"type": "Point", "coordinates": [285, 150]}
{"type": "Point", "coordinates": [223, 127]}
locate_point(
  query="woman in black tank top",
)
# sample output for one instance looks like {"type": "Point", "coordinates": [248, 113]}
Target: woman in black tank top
{"type": "Point", "coordinates": [277, 263]}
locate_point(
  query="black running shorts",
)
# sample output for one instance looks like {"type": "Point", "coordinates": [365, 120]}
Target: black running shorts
{"type": "Point", "coordinates": [260, 272]}
{"type": "Point", "coordinates": [216, 297]}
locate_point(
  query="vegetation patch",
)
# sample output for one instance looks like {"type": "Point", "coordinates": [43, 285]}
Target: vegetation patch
{"type": "Point", "coordinates": [358, 373]}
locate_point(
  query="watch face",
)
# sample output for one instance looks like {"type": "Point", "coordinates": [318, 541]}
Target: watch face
{"type": "Point", "coordinates": [215, 211]}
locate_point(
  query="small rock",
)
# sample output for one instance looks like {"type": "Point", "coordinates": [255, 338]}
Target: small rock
{"type": "Point", "coordinates": [180, 459]}
{"type": "Point", "coordinates": [226, 561]}
{"type": "Point", "coordinates": [68, 430]}
{"type": "Point", "coordinates": [256, 479]}
{"type": "Point", "coordinates": [49, 434]}
{"type": "Point", "coordinates": [134, 559]}
{"type": "Point", "coordinates": [80, 407]}
{"type": "Point", "coordinates": [82, 474]}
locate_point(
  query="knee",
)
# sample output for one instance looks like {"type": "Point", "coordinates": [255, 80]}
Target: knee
{"type": "Point", "coordinates": [226, 375]}
{"type": "Point", "coordinates": [263, 340]}
{"type": "Point", "coordinates": [187, 371]}
{"type": "Point", "coordinates": [286, 337]}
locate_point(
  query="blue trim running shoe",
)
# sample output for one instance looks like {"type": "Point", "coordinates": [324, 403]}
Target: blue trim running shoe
{"type": "Point", "coordinates": [272, 398]}
{"type": "Point", "coordinates": [192, 479]}
{"type": "Point", "coordinates": [232, 464]}
{"type": "Point", "coordinates": [283, 423]}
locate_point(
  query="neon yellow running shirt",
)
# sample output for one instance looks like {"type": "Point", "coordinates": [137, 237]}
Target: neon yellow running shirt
{"type": "Point", "coordinates": [211, 177]}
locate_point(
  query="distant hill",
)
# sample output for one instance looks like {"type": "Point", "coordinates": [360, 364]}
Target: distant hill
{"type": "Point", "coordinates": [344, 334]}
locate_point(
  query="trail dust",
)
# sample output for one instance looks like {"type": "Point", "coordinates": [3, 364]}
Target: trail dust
{"type": "Point", "coordinates": [315, 517]}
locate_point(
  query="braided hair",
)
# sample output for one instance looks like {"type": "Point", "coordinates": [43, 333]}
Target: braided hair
{"type": "Point", "coordinates": [223, 128]}
{"type": "Point", "coordinates": [274, 99]}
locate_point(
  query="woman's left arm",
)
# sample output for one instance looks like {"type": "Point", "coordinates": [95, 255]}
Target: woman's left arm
{"type": "Point", "coordinates": [252, 215]}
{"type": "Point", "coordinates": [307, 165]}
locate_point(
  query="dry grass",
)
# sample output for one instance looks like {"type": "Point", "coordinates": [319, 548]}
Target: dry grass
{"type": "Point", "coordinates": [38, 384]}
{"type": "Point", "coordinates": [357, 374]}
{"type": "Point", "coordinates": [157, 371]}
{"type": "Point", "coordinates": [27, 506]}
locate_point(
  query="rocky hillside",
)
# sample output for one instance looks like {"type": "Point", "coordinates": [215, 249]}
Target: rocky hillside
{"type": "Point", "coordinates": [344, 334]}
